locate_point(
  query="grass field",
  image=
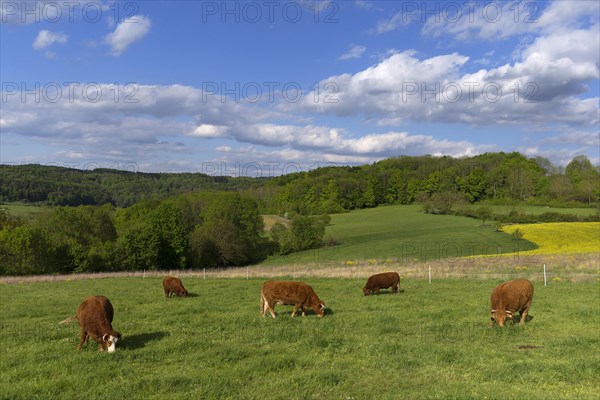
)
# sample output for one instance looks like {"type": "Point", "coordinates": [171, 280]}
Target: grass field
{"type": "Point", "coordinates": [431, 341]}
{"type": "Point", "coordinates": [406, 234]}
{"type": "Point", "coordinates": [22, 210]}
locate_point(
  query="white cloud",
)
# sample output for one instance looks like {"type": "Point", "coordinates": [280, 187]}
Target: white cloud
{"type": "Point", "coordinates": [355, 51]}
{"type": "Point", "coordinates": [335, 142]}
{"type": "Point", "coordinates": [363, 4]}
{"type": "Point", "coordinates": [387, 25]}
{"type": "Point", "coordinates": [46, 38]}
{"type": "Point", "coordinates": [209, 131]}
{"type": "Point", "coordinates": [541, 88]}
{"type": "Point", "coordinates": [129, 31]}
{"type": "Point", "coordinates": [501, 20]}
{"type": "Point", "coordinates": [579, 138]}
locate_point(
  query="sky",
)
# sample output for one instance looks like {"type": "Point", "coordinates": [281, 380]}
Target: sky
{"type": "Point", "coordinates": [261, 88]}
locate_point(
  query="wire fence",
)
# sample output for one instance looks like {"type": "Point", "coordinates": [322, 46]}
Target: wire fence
{"type": "Point", "coordinates": [430, 272]}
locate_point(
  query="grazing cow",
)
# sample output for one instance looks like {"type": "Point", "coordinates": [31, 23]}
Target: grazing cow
{"type": "Point", "coordinates": [173, 285]}
{"type": "Point", "coordinates": [298, 294]}
{"type": "Point", "coordinates": [510, 297]}
{"type": "Point", "coordinates": [382, 281]}
{"type": "Point", "coordinates": [95, 317]}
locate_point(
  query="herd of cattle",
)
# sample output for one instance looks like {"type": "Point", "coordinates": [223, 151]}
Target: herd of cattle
{"type": "Point", "coordinates": [95, 314]}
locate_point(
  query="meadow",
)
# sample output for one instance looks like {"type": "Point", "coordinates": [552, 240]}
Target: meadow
{"type": "Point", "coordinates": [406, 234]}
{"type": "Point", "coordinates": [22, 210]}
{"type": "Point", "coordinates": [432, 341]}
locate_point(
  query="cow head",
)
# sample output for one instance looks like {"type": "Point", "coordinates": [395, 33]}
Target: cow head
{"type": "Point", "coordinates": [366, 291]}
{"type": "Point", "coordinates": [500, 316]}
{"type": "Point", "coordinates": [320, 309]}
{"type": "Point", "coordinates": [109, 340]}
{"type": "Point", "coordinates": [182, 293]}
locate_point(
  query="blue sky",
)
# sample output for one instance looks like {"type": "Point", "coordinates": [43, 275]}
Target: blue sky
{"type": "Point", "coordinates": [264, 87]}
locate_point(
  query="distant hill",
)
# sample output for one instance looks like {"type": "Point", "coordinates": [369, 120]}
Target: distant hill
{"type": "Point", "coordinates": [503, 178]}
{"type": "Point", "coordinates": [72, 187]}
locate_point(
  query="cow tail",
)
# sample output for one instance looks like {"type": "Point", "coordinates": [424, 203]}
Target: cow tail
{"type": "Point", "coordinates": [262, 301]}
{"type": "Point", "coordinates": [68, 320]}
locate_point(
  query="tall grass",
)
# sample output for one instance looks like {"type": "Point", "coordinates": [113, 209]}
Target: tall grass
{"type": "Point", "coordinates": [431, 341]}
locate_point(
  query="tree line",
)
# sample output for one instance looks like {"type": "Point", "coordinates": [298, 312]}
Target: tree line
{"type": "Point", "coordinates": [107, 220]}
{"type": "Point", "coordinates": [504, 178]}
{"type": "Point", "coordinates": [205, 229]}
{"type": "Point", "coordinates": [61, 186]}
{"type": "Point", "coordinates": [501, 177]}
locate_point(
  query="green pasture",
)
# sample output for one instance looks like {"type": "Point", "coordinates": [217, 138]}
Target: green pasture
{"type": "Point", "coordinates": [21, 210]}
{"type": "Point", "coordinates": [429, 342]}
{"type": "Point", "coordinates": [406, 234]}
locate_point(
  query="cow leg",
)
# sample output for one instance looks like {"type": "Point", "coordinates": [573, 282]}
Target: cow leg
{"type": "Point", "coordinates": [296, 307]}
{"type": "Point", "coordinates": [82, 339]}
{"type": "Point", "coordinates": [395, 288]}
{"type": "Point", "coordinates": [265, 306]}
{"type": "Point", "coordinates": [524, 312]}
{"type": "Point", "coordinates": [269, 307]}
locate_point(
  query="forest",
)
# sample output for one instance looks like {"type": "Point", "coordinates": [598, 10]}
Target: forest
{"type": "Point", "coordinates": [108, 220]}
{"type": "Point", "coordinates": [500, 177]}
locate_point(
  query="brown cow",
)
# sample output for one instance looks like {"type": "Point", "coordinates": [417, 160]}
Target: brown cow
{"type": "Point", "coordinates": [95, 317]}
{"type": "Point", "coordinates": [510, 297]}
{"type": "Point", "coordinates": [173, 285]}
{"type": "Point", "coordinates": [382, 281]}
{"type": "Point", "coordinates": [298, 294]}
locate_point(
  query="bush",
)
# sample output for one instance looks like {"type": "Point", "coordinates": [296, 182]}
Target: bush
{"type": "Point", "coordinates": [304, 233]}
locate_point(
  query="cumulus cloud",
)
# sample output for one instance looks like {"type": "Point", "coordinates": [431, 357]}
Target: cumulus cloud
{"type": "Point", "coordinates": [334, 141]}
{"type": "Point", "coordinates": [46, 38]}
{"type": "Point", "coordinates": [129, 31]}
{"type": "Point", "coordinates": [209, 131]}
{"type": "Point", "coordinates": [542, 87]}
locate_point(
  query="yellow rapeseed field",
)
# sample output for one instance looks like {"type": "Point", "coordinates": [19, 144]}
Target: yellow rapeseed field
{"type": "Point", "coordinates": [560, 237]}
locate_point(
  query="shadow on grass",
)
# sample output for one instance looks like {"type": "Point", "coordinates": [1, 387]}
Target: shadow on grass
{"type": "Point", "coordinates": [174, 296]}
{"type": "Point", "coordinates": [382, 292]}
{"type": "Point", "coordinates": [139, 341]}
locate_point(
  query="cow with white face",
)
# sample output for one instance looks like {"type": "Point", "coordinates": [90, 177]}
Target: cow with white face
{"type": "Point", "coordinates": [95, 317]}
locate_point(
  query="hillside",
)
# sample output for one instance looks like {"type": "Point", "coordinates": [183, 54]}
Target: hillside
{"type": "Point", "coordinates": [499, 177]}
{"type": "Point", "coordinates": [406, 234]}
{"type": "Point", "coordinates": [62, 186]}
